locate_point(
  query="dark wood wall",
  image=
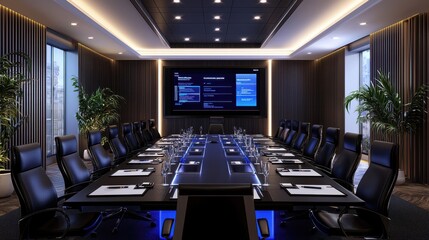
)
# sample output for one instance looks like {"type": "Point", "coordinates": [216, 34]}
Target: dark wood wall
{"type": "Point", "coordinates": [402, 50]}
{"type": "Point", "coordinates": [20, 34]}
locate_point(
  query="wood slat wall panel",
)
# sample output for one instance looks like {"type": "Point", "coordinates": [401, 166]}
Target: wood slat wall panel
{"type": "Point", "coordinates": [329, 92]}
{"type": "Point", "coordinates": [293, 91]}
{"type": "Point", "coordinates": [402, 50]}
{"type": "Point", "coordinates": [18, 33]}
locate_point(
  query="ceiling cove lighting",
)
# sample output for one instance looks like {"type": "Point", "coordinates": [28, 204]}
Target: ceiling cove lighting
{"type": "Point", "coordinates": [160, 97]}
{"type": "Point", "coordinates": [317, 28]}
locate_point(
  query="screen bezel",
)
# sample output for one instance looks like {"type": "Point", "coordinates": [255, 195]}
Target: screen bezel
{"type": "Point", "coordinates": [168, 92]}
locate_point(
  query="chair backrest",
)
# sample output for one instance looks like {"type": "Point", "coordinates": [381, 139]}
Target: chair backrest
{"type": "Point", "coordinates": [216, 128]}
{"type": "Point", "coordinates": [314, 141]}
{"type": "Point", "coordinates": [69, 162]}
{"type": "Point", "coordinates": [293, 132]}
{"type": "Point", "coordinates": [346, 162]}
{"type": "Point", "coordinates": [152, 128]}
{"type": "Point", "coordinates": [31, 183]}
{"type": "Point", "coordinates": [285, 131]}
{"type": "Point", "coordinates": [302, 137]}
{"type": "Point", "coordinates": [327, 152]}
{"type": "Point", "coordinates": [218, 211]}
{"type": "Point", "coordinates": [376, 185]}
{"type": "Point", "coordinates": [101, 159]}
{"type": "Point", "coordinates": [130, 139]}
{"type": "Point", "coordinates": [139, 134]}
{"type": "Point", "coordinates": [280, 129]}
{"type": "Point", "coordinates": [116, 146]}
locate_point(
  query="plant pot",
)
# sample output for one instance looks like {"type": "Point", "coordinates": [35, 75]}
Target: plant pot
{"type": "Point", "coordinates": [6, 187]}
{"type": "Point", "coordinates": [401, 177]}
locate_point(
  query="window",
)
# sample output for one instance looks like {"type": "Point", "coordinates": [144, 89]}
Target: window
{"type": "Point", "coordinates": [55, 96]}
{"type": "Point", "coordinates": [364, 79]}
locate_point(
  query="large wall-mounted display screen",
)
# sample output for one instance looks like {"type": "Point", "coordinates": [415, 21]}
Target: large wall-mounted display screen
{"type": "Point", "coordinates": [209, 91]}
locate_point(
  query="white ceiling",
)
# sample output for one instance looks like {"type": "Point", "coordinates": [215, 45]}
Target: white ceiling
{"type": "Point", "coordinates": [117, 27]}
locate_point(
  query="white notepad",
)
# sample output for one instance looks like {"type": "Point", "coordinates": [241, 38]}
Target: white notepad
{"type": "Point", "coordinates": [150, 154]}
{"type": "Point", "coordinates": [315, 190]}
{"type": "Point", "coordinates": [276, 149]}
{"type": "Point", "coordinates": [152, 149]}
{"type": "Point", "coordinates": [287, 172]}
{"type": "Point", "coordinates": [141, 161]}
{"type": "Point", "coordinates": [261, 139]}
{"type": "Point", "coordinates": [130, 172]}
{"type": "Point", "coordinates": [117, 190]}
{"type": "Point", "coordinates": [163, 143]}
{"type": "Point", "coordinates": [285, 154]}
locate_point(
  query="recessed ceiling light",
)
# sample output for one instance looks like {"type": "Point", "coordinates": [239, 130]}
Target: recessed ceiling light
{"type": "Point", "coordinates": [73, 24]}
{"type": "Point", "coordinates": [120, 53]}
{"type": "Point", "coordinates": [217, 17]}
{"type": "Point", "coordinates": [257, 17]}
{"type": "Point", "coordinates": [362, 23]}
{"type": "Point", "coordinates": [217, 29]}
{"type": "Point", "coordinates": [91, 38]}
{"type": "Point", "coordinates": [217, 1]}
{"type": "Point", "coordinates": [335, 38]}
{"type": "Point", "coordinates": [187, 39]}
{"type": "Point", "coordinates": [309, 53]}
{"type": "Point", "coordinates": [178, 17]}
{"type": "Point", "coordinates": [263, 1]}
{"type": "Point", "coordinates": [176, 1]}
{"type": "Point", "coordinates": [243, 39]}
{"type": "Point", "coordinates": [217, 39]}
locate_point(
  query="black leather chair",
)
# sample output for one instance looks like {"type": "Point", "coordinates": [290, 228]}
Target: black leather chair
{"type": "Point", "coordinates": [216, 125]}
{"type": "Point", "coordinates": [310, 149]}
{"type": "Point", "coordinates": [284, 134]}
{"type": "Point", "coordinates": [292, 134]}
{"type": "Point", "coordinates": [41, 215]}
{"type": "Point", "coordinates": [153, 130]}
{"type": "Point", "coordinates": [301, 138]}
{"type": "Point", "coordinates": [74, 171]}
{"type": "Point", "coordinates": [375, 188]}
{"type": "Point", "coordinates": [347, 160]}
{"type": "Point", "coordinates": [120, 152]}
{"type": "Point", "coordinates": [139, 135]}
{"type": "Point", "coordinates": [130, 139]}
{"type": "Point", "coordinates": [327, 152]}
{"type": "Point", "coordinates": [102, 161]}
{"type": "Point", "coordinates": [146, 133]}
{"type": "Point", "coordinates": [279, 130]}
{"type": "Point", "coordinates": [215, 211]}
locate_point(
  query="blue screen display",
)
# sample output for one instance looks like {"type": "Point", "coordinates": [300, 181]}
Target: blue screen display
{"type": "Point", "coordinates": [214, 89]}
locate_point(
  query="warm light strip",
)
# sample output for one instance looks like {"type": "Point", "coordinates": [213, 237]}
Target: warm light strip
{"type": "Point", "coordinates": [269, 110]}
{"type": "Point", "coordinates": [103, 21]}
{"type": "Point", "coordinates": [160, 87]}
{"type": "Point", "coordinates": [319, 27]}
{"type": "Point", "coordinates": [214, 52]}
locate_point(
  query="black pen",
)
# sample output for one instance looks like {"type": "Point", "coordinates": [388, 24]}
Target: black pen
{"type": "Point", "coordinates": [117, 187]}
{"type": "Point", "coordinates": [312, 187]}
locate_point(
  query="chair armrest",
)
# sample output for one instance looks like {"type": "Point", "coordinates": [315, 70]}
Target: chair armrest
{"type": "Point", "coordinates": [323, 169]}
{"type": "Point", "coordinates": [100, 172]}
{"type": "Point", "coordinates": [384, 219]}
{"type": "Point", "coordinates": [72, 189]}
{"type": "Point", "coordinates": [345, 184]}
{"type": "Point", "coordinates": [26, 220]}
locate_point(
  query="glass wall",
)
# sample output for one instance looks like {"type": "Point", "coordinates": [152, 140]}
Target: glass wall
{"type": "Point", "coordinates": [55, 95]}
{"type": "Point", "coordinates": [364, 79]}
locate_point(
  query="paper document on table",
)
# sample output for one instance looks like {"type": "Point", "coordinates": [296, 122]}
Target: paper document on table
{"type": "Point", "coordinates": [150, 154]}
{"type": "Point", "coordinates": [117, 190]}
{"type": "Point", "coordinates": [141, 161]}
{"type": "Point", "coordinates": [131, 172]}
{"type": "Point", "coordinates": [276, 149]}
{"type": "Point", "coordinates": [175, 194]}
{"type": "Point", "coordinates": [256, 194]}
{"type": "Point", "coordinates": [152, 149]}
{"type": "Point", "coordinates": [316, 190]}
{"type": "Point", "coordinates": [163, 143]}
{"type": "Point", "coordinates": [261, 139]}
{"type": "Point", "coordinates": [285, 154]}
{"type": "Point", "coordinates": [287, 172]}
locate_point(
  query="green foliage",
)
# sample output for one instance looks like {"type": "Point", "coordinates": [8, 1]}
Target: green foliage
{"type": "Point", "coordinates": [98, 110]}
{"type": "Point", "coordinates": [14, 69]}
{"type": "Point", "coordinates": [380, 104]}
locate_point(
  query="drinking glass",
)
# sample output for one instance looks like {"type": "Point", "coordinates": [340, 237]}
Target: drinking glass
{"type": "Point", "coordinates": [257, 155]}
{"type": "Point", "coordinates": [265, 167]}
{"type": "Point", "coordinates": [164, 172]}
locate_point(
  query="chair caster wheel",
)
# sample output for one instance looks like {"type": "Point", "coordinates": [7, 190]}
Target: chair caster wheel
{"type": "Point", "coordinates": [152, 224]}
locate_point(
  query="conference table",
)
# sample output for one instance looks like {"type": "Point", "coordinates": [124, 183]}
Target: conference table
{"type": "Point", "coordinates": [214, 159]}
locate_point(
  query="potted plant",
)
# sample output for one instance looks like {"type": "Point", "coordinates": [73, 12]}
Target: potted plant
{"type": "Point", "coordinates": [96, 110]}
{"type": "Point", "coordinates": [381, 105]}
{"type": "Point", "coordinates": [14, 68]}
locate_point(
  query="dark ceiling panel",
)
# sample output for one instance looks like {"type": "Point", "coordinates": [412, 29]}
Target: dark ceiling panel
{"type": "Point", "coordinates": [197, 21]}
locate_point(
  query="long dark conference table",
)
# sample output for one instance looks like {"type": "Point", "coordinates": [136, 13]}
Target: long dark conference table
{"type": "Point", "coordinates": [214, 159]}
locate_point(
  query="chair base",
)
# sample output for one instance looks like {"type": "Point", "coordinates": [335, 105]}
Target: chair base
{"type": "Point", "coordinates": [122, 212]}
